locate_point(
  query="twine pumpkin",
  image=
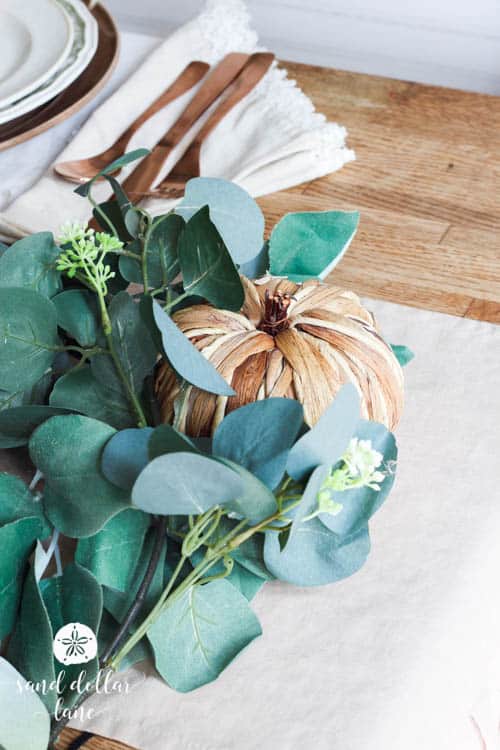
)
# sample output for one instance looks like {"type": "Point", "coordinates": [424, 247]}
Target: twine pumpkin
{"type": "Point", "coordinates": [301, 341]}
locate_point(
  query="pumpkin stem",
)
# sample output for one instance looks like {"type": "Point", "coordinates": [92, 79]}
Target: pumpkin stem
{"type": "Point", "coordinates": [275, 313]}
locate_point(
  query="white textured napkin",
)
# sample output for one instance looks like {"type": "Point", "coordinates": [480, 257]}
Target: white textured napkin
{"type": "Point", "coordinates": [405, 654]}
{"type": "Point", "coordinates": [271, 140]}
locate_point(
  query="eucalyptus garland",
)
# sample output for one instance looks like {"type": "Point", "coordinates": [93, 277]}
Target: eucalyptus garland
{"type": "Point", "coordinates": [164, 525]}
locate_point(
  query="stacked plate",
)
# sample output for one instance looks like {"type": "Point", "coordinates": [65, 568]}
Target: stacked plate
{"type": "Point", "coordinates": [46, 45]}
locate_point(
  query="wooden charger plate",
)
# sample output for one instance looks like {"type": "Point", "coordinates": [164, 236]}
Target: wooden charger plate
{"type": "Point", "coordinates": [79, 93]}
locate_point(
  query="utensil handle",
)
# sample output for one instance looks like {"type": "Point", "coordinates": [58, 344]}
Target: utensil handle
{"type": "Point", "coordinates": [191, 75]}
{"type": "Point", "coordinates": [252, 73]}
{"type": "Point", "coordinates": [145, 174]}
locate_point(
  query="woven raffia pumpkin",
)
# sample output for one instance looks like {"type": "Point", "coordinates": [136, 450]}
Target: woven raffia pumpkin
{"type": "Point", "coordinates": [299, 341]}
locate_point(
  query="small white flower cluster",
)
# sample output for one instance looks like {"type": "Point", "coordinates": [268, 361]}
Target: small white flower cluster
{"type": "Point", "coordinates": [83, 253]}
{"type": "Point", "coordinates": [74, 231]}
{"type": "Point", "coordinates": [360, 468]}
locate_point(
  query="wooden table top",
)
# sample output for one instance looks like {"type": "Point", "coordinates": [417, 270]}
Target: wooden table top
{"type": "Point", "coordinates": [427, 184]}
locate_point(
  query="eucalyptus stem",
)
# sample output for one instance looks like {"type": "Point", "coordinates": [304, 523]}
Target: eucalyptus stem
{"type": "Point", "coordinates": [142, 592]}
{"type": "Point", "coordinates": [102, 215]}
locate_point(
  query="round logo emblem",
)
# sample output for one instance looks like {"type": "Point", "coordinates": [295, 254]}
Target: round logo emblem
{"type": "Point", "coordinates": [75, 644]}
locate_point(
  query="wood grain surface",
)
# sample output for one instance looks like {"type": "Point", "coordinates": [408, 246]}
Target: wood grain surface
{"type": "Point", "coordinates": [427, 183]}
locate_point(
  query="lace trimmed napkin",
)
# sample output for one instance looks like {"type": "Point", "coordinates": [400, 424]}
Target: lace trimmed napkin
{"type": "Point", "coordinates": [271, 140]}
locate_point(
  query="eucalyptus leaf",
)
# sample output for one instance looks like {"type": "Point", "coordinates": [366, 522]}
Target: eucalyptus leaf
{"type": "Point", "coordinates": [118, 603]}
{"type": "Point", "coordinates": [258, 436]}
{"type": "Point", "coordinates": [166, 439]}
{"type": "Point", "coordinates": [36, 394]}
{"type": "Point", "coordinates": [112, 554]}
{"type": "Point", "coordinates": [85, 394]}
{"type": "Point", "coordinates": [308, 245]}
{"type": "Point", "coordinates": [24, 720]}
{"type": "Point", "coordinates": [28, 337]}
{"type": "Point", "coordinates": [200, 633]}
{"type": "Point", "coordinates": [206, 265]}
{"type": "Point", "coordinates": [132, 156]}
{"type": "Point", "coordinates": [78, 499]}
{"type": "Point", "coordinates": [133, 344]}
{"type": "Point", "coordinates": [33, 657]}
{"type": "Point", "coordinates": [328, 439]}
{"type": "Point", "coordinates": [359, 505]}
{"type": "Point", "coordinates": [185, 483]}
{"type": "Point", "coordinates": [125, 456]}
{"type": "Point", "coordinates": [18, 424]}
{"type": "Point", "coordinates": [17, 540]}
{"type": "Point", "coordinates": [256, 501]}
{"type": "Point", "coordinates": [313, 555]}
{"type": "Point", "coordinates": [234, 212]}
{"type": "Point", "coordinates": [77, 314]}
{"type": "Point", "coordinates": [242, 579]}
{"type": "Point", "coordinates": [74, 597]}
{"type": "Point", "coordinates": [258, 266]}
{"type": "Point", "coordinates": [403, 354]}
{"type": "Point", "coordinates": [185, 358]}
{"type": "Point", "coordinates": [31, 263]}
{"type": "Point", "coordinates": [161, 250]}
{"type": "Point", "coordinates": [16, 500]}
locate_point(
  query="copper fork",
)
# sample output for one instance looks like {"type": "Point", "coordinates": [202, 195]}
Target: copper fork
{"type": "Point", "coordinates": [82, 170]}
{"type": "Point", "coordinates": [172, 186]}
{"type": "Point", "coordinates": [142, 179]}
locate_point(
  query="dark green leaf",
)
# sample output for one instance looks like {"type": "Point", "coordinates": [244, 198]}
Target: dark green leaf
{"type": "Point", "coordinates": [75, 596]}
{"type": "Point", "coordinates": [236, 215]}
{"type": "Point", "coordinates": [118, 603]}
{"type": "Point", "coordinates": [133, 344]}
{"type": "Point", "coordinates": [113, 553]}
{"type": "Point", "coordinates": [402, 353]}
{"type": "Point", "coordinates": [328, 439]}
{"type": "Point", "coordinates": [80, 389]}
{"type": "Point", "coordinates": [16, 544]}
{"type": "Point", "coordinates": [139, 153]}
{"type": "Point", "coordinates": [259, 436]}
{"type": "Point", "coordinates": [31, 263]}
{"type": "Point", "coordinates": [163, 261]}
{"type": "Point", "coordinates": [305, 245]}
{"type": "Point", "coordinates": [207, 268]}
{"type": "Point", "coordinates": [16, 501]}
{"type": "Point", "coordinates": [185, 358]}
{"type": "Point", "coordinates": [17, 424]}
{"type": "Point", "coordinates": [33, 395]}
{"type": "Point", "coordinates": [185, 483]}
{"type": "Point", "coordinates": [200, 633]}
{"type": "Point", "coordinates": [77, 314]}
{"type": "Point", "coordinates": [125, 456]}
{"type": "Point", "coordinates": [30, 648]}
{"type": "Point", "coordinates": [28, 336]}
{"type": "Point", "coordinates": [166, 439]}
{"type": "Point", "coordinates": [77, 498]}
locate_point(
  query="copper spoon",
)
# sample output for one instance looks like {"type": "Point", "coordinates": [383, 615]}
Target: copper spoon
{"type": "Point", "coordinates": [84, 169]}
{"type": "Point", "coordinates": [189, 165]}
{"type": "Point", "coordinates": [141, 180]}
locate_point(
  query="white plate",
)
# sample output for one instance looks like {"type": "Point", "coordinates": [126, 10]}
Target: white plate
{"type": "Point", "coordinates": [35, 36]}
{"type": "Point", "coordinates": [85, 40]}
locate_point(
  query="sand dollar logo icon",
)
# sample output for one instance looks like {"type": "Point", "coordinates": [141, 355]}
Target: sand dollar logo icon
{"type": "Point", "coordinates": [75, 644]}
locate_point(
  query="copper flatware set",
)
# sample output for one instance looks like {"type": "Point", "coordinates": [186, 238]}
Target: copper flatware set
{"type": "Point", "coordinates": [219, 91]}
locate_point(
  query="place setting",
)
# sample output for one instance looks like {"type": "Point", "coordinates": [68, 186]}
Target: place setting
{"type": "Point", "coordinates": [240, 459]}
{"type": "Point", "coordinates": [57, 55]}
